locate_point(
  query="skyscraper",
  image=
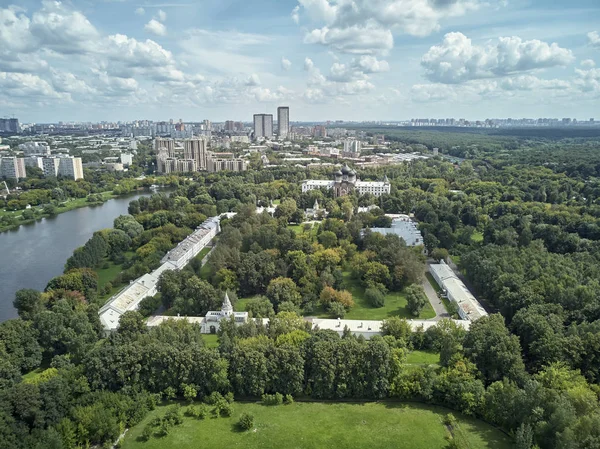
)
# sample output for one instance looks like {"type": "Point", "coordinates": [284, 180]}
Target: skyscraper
{"type": "Point", "coordinates": [263, 126]}
{"type": "Point", "coordinates": [283, 121]}
{"type": "Point", "coordinates": [195, 149]}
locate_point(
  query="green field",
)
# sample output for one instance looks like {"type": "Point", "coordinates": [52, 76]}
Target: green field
{"type": "Point", "coordinates": [309, 425]}
{"type": "Point", "coordinates": [395, 305]}
{"type": "Point", "coordinates": [422, 358]}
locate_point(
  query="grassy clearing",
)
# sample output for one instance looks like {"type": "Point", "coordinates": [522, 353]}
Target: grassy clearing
{"type": "Point", "coordinates": [395, 305]}
{"type": "Point", "coordinates": [310, 425]}
{"type": "Point", "coordinates": [423, 358]}
{"type": "Point", "coordinates": [108, 274]}
{"type": "Point", "coordinates": [211, 340]}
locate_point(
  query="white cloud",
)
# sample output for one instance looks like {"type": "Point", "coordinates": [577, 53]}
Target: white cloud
{"type": "Point", "coordinates": [594, 39]}
{"type": "Point", "coordinates": [161, 15]}
{"type": "Point", "coordinates": [140, 11]}
{"type": "Point", "coordinates": [355, 39]}
{"type": "Point", "coordinates": [286, 64]}
{"type": "Point", "coordinates": [26, 85]}
{"type": "Point", "coordinates": [296, 15]}
{"type": "Point", "coordinates": [366, 26]}
{"type": "Point", "coordinates": [530, 82]}
{"type": "Point", "coordinates": [370, 64]}
{"type": "Point", "coordinates": [62, 30]}
{"type": "Point", "coordinates": [155, 27]}
{"type": "Point", "coordinates": [457, 60]}
{"type": "Point", "coordinates": [253, 80]}
{"type": "Point", "coordinates": [588, 81]}
{"type": "Point", "coordinates": [588, 63]}
{"type": "Point", "coordinates": [67, 82]}
{"type": "Point", "coordinates": [308, 64]}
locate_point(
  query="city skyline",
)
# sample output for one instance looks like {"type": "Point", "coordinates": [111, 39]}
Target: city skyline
{"type": "Point", "coordinates": [117, 60]}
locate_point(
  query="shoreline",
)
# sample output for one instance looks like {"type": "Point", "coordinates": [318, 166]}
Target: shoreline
{"type": "Point", "coordinates": [69, 205]}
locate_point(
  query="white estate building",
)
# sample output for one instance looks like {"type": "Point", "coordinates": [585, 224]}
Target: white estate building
{"type": "Point", "coordinates": [193, 244]}
{"type": "Point", "coordinates": [468, 307]}
{"type": "Point", "coordinates": [345, 182]}
{"type": "Point", "coordinates": [210, 323]}
{"type": "Point", "coordinates": [405, 228]}
{"type": "Point", "coordinates": [129, 297]}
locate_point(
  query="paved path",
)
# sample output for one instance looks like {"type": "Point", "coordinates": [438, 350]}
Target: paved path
{"type": "Point", "coordinates": [436, 303]}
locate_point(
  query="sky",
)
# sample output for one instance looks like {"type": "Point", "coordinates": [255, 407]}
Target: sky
{"type": "Point", "coordinates": [111, 60]}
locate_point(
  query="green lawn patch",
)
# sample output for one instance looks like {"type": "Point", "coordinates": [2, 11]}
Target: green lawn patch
{"type": "Point", "coordinates": [433, 283]}
{"type": "Point", "coordinates": [395, 305]}
{"type": "Point", "coordinates": [310, 425]}
{"type": "Point", "coordinates": [211, 340]}
{"type": "Point", "coordinates": [423, 358]}
{"type": "Point", "coordinates": [108, 274]}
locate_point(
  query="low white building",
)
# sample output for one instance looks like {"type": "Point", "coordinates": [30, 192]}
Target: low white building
{"type": "Point", "coordinates": [405, 228]}
{"type": "Point", "coordinates": [316, 212]}
{"type": "Point", "coordinates": [210, 323]}
{"type": "Point", "coordinates": [35, 148]}
{"type": "Point", "coordinates": [468, 307]}
{"type": "Point", "coordinates": [193, 244]}
{"type": "Point", "coordinates": [370, 328]}
{"type": "Point", "coordinates": [127, 158]}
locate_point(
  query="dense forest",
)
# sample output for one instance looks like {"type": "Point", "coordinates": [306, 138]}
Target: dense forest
{"type": "Point", "coordinates": [520, 216]}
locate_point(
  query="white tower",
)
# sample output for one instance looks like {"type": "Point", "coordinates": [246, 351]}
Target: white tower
{"type": "Point", "coordinates": [226, 308]}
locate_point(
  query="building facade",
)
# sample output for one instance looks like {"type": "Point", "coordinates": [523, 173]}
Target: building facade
{"type": "Point", "coordinates": [196, 149]}
{"type": "Point", "coordinates": [35, 149]}
{"type": "Point", "coordinates": [69, 167]}
{"type": "Point", "coordinates": [263, 126]}
{"type": "Point", "coordinates": [216, 165]}
{"type": "Point", "coordinates": [283, 122]}
{"type": "Point", "coordinates": [345, 182]}
{"type": "Point", "coordinates": [12, 168]}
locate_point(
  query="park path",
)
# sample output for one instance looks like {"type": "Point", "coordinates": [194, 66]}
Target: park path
{"type": "Point", "coordinates": [436, 303]}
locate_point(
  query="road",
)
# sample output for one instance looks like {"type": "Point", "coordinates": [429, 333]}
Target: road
{"type": "Point", "coordinates": [436, 303]}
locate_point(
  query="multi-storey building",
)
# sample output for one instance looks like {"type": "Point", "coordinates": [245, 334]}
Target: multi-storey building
{"type": "Point", "coordinates": [263, 126]}
{"type": "Point", "coordinates": [67, 166]}
{"type": "Point", "coordinates": [195, 149]}
{"type": "Point", "coordinates": [10, 125]}
{"type": "Point", "coordinates": [168, 144]}
{"type": "Point", "coordinates": [35, 148]}
{"type": "Point", "coordinates": [12, 167]}
{"type": "Point", "coordinates": [217, 165]}
{"type": "Point", "coordinates": [283, 121]}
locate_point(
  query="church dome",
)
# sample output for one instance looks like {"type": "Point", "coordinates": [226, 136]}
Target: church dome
{"type": "Point", "coordinates": [345, 169]}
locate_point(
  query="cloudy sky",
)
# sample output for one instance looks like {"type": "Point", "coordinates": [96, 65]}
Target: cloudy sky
{"type": "Point", "coordinates": [92, 60]}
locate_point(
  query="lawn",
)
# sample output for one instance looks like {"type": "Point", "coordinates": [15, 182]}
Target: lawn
{"type": "Point", "coordinates": [109, 274]}
{"type": "Point", "coordinates": [211, 340]}
{"type": "Point", "coordinates": [310, 425]}
{"type": "Point", "coordinates": [422, 358]}
{"type": "Point", "coordinates": [395, 305]}
{"type": "Point", "coordinates": [299, 229]}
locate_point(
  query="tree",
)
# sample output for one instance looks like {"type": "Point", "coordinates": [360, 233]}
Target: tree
{"type": "Point", "coordinates": [440, 254]}
{"type": "Point", "coordinates": [494, 350]}
{"type": "Point", "coordinates": [375, 297]}
{"type": "Point", "coordinates": [328, 239]}
{"type": "Point", "coordinates": [283, 290]}
{"type": "Point", "coordinates": [397, 328]}
{"type": "Point", "coordinates": [260, 307]}
{"type": "Point", "coordinates": [336, 310]}
{"type": "Point", "coordinates": [415, 299]}
{"type": "Point", "coordinates": [28, 302]}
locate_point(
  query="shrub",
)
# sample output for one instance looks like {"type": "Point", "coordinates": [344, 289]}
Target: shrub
{"type": "Point", "coordinates": [375, 297]}
{"type": "Point", "coordinates": [192, 411]}
{"type": "Point", "coordinates": [164, 429]}
{"type": "Point", "coordinates": [155, 422]}
{"type": "Point", "coordinates": [202, 411]}
{"type": "Point", "coordinates": [173, 415]}
{"type": "Point", "coordinates": [246, 421]}
{"type": "Point", "coordinates": [170, 393]}
{"type": "Point", "coordinates": [213, 398]}
{"type": "Point", "coordinates": [224, 409]}
{"type": "Point", "coordinates": [229, 397]}
{"type": "Point", "coordinates": [450, 420]}
{"type": "Point", "coordinates": [288, 399]}
{"type": "Point", "coordinates": [272, 399]}
{"type": "Point", "coordinates": [146, 433]}
{"type": "Point", "coordinates": [189, 392]}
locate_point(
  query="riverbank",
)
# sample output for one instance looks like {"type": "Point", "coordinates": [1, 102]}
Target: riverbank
{"type": "Point", "coordinates": [65, 206]}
